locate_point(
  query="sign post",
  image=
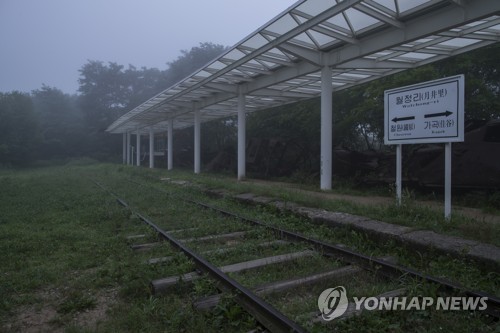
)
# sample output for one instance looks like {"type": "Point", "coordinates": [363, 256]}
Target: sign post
{"type": "Point", "coordinates": [428, 112]}
{"type": "Point", "coordinates": [447, 180]}
{"type": "Point", "coordinates": [399, 172]}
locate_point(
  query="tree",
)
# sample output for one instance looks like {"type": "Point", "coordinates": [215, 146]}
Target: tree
{"type": "Point", "coordinates": [18, 129]}
{"type": "Point", "coordinates": [359, 111]}
{"type": "Point", "coordinates": [61, 128]}
{"type": "Point", "coordinates": [142, 84]}
{"type": "Point", "coordinates": [190, 61]}
{"type": "Point", "coordinates": [482, 80]}
{"type": "Point", "coordinates": [104, 93]}
{"type": "Point", "coordinates": [217, 134]}
{"type": "Point", "coordinates": [295, 125]}
{"type": "Point", "coordinates": [107, 91]}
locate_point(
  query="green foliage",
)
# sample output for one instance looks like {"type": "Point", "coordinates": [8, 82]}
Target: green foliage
{"type": "Point", "coordinates": [228, 313]}
{"type": "Point", "coordinates": [18, 129]}
{"type": "Point", "coordinates": [107, 91]}
{"type": "Point", "coordinates": [62, 131]}
{"type": "Point", "coordinates": [76, 302]}
{"type": "Point", "coordinates": [68, 253]}
{"type": "Point", "coordinates": [217, 135]}
{"type": "Point", "coordinates": [482, 80]}
{"type": "Point", "coordinates": [190, 61]}
{"type": "Point", "coordinates": [68, 126]}
{"type": "Point", "coordinates": [296, 124]}
{"type": "Point", "coordinates": [104, 93]}
{"type": "Point", "coordinates": [358, 112]}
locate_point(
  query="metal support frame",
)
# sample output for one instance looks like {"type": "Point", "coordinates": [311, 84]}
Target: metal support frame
{"type": "Point", "coordinates": [197, 141]}
{"type": "Point", "coordinates": [326, 128]}
{"type": "Point", "coordinates": [447, 180]}
{"type": "Point", "coordinates": [170, 145]}
{"type": "Point", "coordinates": [138, 148]}
{"type": "Point", "coordinates": [241, 137]}
{"type": "Point", "coordinates": [447, 177]}
{"type": "Point", "coordinates": [151, 149]}
{"type": "Point", "coordinates": [399, 158]}
{"type": "Point", "coordinates": [124, 148]}
{"type": "Point", "coordinates": [378, 50]}
{"type": "Point", "coordinates": [128, 149]}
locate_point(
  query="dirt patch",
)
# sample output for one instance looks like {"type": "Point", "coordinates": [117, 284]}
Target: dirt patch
{"type": "Point", "coordinates": [45, 314]}
{"type": "Point", "coordinates": [91, 318]}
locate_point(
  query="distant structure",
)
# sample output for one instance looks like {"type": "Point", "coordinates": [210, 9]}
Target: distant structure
{"type": "Point", "coordinates": [309, 50]}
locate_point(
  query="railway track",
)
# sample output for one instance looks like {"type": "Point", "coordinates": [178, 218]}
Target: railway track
{"type": "Point", "coordinates": [339, 263]}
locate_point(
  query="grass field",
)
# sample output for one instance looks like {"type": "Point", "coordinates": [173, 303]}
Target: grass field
{"type": "Point", "coordinates": [66, 265]}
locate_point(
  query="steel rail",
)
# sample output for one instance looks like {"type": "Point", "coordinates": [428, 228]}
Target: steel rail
{"type": "Point", "coordinates": [264, 312]}
{"type": "Point", "coordinates": [370, 263]}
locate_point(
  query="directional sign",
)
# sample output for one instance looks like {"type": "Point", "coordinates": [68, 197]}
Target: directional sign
{"type": "Point", "coordinates": [427, 112]}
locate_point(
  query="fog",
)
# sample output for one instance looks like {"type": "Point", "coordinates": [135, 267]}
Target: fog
{"type": "Point", "coordinates": [47, 42]}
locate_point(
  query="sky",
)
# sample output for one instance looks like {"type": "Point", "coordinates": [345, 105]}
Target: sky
{"type": "Point", "coordinates": [48, 41]}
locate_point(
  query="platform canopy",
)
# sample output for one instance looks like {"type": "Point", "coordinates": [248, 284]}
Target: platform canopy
{"type": "Point", "coordinates": [281, 62]}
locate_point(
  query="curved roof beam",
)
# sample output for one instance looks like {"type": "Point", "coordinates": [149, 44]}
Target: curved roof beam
{"type": "Point", "coordinates": [361, 40]}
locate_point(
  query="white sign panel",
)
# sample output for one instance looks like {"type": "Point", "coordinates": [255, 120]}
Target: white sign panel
{"type": "Point", "coordinates": [428, 112]}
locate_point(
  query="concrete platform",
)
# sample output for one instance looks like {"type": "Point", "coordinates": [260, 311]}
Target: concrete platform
{"type": "Point", "coordinates": [487, 255]}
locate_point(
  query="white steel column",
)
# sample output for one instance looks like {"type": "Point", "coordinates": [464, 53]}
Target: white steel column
{"type": "Point", "coordinates": [326, 128]}
{"type": "Point", "coordinates": [138, 148]}
{"type": "Point", "coordinates": [170, 145]}
{"type": "Point", "coordinates": [241, 137]}
{"type": "Point", "coordinates": [128, 149]}
{"type": "Point", "coordinates": [197, 141]}
{"type": "Point", "coordinates": [151, 149]}
{"type": "Point", "coordinates": [124, 148]}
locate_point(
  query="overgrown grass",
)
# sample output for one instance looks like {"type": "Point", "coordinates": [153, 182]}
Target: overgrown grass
{"type": "Point", "coordinates": [411, 213]}
{"type": "Point", "coordinates": [65, 255]}
{"type": "Point", "coordinates": [63, 249]}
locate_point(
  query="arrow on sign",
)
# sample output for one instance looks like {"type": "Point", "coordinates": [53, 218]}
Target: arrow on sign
{"type": "Point", "coordinates": [396, 119]}
{"type": "Point", "coordinates": [439, 114]}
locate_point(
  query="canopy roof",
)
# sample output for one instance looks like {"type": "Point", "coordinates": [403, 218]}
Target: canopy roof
{"type": "Point", "coordinates": [280, 63]}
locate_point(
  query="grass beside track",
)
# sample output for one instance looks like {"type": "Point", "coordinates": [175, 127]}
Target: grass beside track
{"type": "Point", "coordinates": [66, 264]}
{"type": "Point", "coordinates": [411, 213]}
